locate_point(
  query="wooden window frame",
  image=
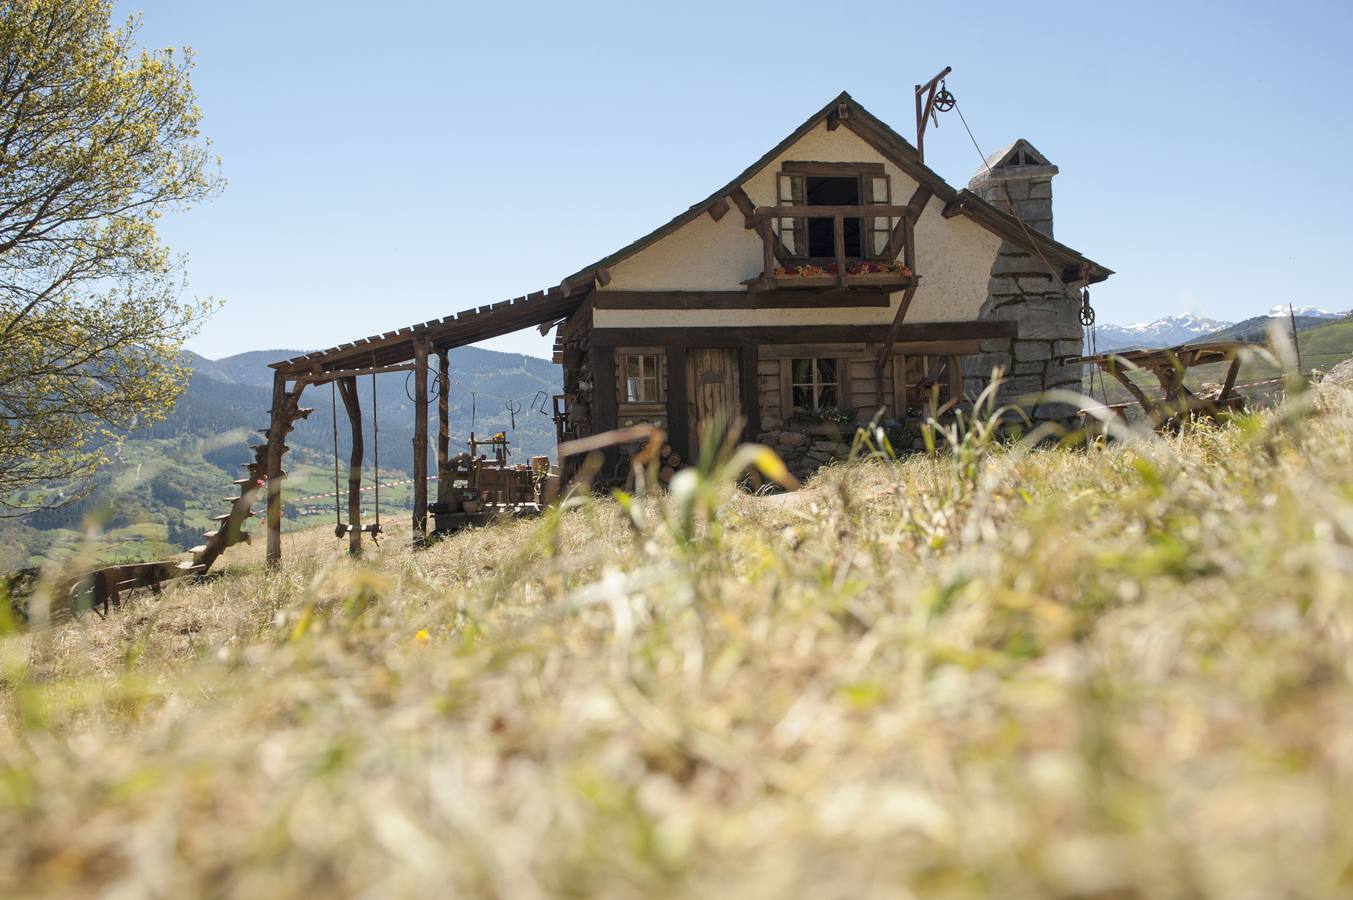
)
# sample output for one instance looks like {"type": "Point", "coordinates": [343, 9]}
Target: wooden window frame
{"type": "Point", "coordinates": [815, 386]}
{"type": "Point", "coordinates": [904, 388]}
{"type": "Point", "coordinates": [793, 232]}
{"type": "Point", "coordinates": [658, 356]}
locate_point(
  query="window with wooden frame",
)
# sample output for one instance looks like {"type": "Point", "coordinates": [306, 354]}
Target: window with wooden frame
{"type": "Point", "coordinates": [642, 375]}
{"type": "Point", "coordinates": [815, 383]}
{"type": "Point", "coordinates": [929, 379]}
{"type": "Point", "coordinates": [833, 184]}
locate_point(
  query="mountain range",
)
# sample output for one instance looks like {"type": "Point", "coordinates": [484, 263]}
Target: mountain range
{"type": "Point", "coordinates": [1181, 329]}
{"type": "Point", "coordinates": [167, 479]}
{"type": "Point", "coordinates": [236, 392]}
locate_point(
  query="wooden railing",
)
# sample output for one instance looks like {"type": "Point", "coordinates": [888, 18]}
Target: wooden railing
{"type": "Point", "coordinates": [774, 249]}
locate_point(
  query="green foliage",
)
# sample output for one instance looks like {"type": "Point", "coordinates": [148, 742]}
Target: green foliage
{"type": "Point", "coordinates": [97, 141]}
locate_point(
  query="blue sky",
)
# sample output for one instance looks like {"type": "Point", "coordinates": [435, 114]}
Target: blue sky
{"type": "Point", "coordinates": [392, 163]}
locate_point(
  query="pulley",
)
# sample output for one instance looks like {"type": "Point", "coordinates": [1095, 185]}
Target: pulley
{"type": "Point", "coordinates": [1087, 311]}
{"type": "Point", "coordinates": [944, 101]}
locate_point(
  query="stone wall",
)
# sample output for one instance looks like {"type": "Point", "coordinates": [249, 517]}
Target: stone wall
{"type": "Point", "coordinates": [1024, 289]}
{"type": "Point", "coordinates": [805, 448]}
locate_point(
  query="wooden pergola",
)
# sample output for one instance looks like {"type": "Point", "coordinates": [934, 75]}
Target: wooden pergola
{"type": "Point", "coordinates": [406, 350]}
{"type": "Point", "coordinates": [1169, 366]}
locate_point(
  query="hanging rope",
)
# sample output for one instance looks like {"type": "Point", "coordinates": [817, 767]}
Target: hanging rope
{"type": "Point", "coordinates": [339, 528]}
{"type": "Point", "coordinates": [1091, 341]}
{"type": "Point", "coordinates": [376, 456]}
{"type": "Point", "coordinates": [1087, 312]}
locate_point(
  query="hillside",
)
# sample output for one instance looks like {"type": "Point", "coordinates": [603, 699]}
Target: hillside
{"type": "Point", "coordinates": [1120, 672]}
{"type": "Point", "coordinates": [1255, 328]}
{"type": "Point", "coordinates": [159, 495]}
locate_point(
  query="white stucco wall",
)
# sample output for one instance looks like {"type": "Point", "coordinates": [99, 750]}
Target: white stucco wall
{"type": "Point", "coordinates": [953, 256]}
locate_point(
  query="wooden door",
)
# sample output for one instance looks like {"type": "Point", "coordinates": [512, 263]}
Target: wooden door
{"type": "Point", "coordinates": [713, 392]}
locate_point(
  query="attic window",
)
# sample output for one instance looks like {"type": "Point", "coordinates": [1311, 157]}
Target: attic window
{"type": "Point", "coordinates": [823, 190]}
{"type": "Point", "coordinates": [833, 184]}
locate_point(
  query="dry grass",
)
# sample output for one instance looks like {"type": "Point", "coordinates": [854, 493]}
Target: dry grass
{"type": "Point", "coordinates": [1120, 672]}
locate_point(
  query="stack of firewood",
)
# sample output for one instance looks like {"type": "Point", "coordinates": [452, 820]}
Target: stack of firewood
{"type": "Point", "coordinates": [670, 461]}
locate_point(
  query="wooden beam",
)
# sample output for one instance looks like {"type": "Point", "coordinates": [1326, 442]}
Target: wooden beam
{"type": "Point", "coordinates": [790, 167]}
{"type": "Point", "coordinates": [678, 427]}
{"type": "Point", "coordinates": [1230, 384]}
{"type": "Point", "coordinates": [735, 336]}
{"type": "Point", "coordinates": [895, 330]}
{"type": "Point", "coordinates": [839, 248]}
{"type": "Point", "coordinates": [718, 209]}
{"type": "Point", "coordinates": [603, 276]}
{"type": "Point", "coordinates": [745, 206]}
{"type": "Point", "coordinates": [347, 387]}
{"type": "Point", "coordinates": [749, 381]}
{"type": "Point", "coordinates": [899, 405]}
{"type": "Point", "coordinates": [420, 442]}
{"type": "Point", "coordinates": [274, 469]}
{"type": "Point", "coordinates": [443, 423]}
{"type": "Point", "coordinates": [324, 377]}
{"type": "Point", "coordinates": [604, 397]}
{"type": "Point", "coordinates": [769, 299]}
{"type": "Point", "coordinates": [904, 232]}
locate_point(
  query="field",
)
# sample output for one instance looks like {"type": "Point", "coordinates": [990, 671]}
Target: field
{"type": "Point", "coordinates": [995, 671]}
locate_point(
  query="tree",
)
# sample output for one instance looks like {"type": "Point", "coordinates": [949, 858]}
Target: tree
{"type": "Point", "coordinates": [97, 140]}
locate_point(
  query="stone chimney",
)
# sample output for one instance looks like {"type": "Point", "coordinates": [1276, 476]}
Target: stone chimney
{"type": "Point", "coordinates": [1018, 180]}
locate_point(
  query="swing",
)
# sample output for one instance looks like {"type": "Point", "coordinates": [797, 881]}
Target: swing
{"type": "Point", "coordinates": [341, 528]}
{"type": "Point", "coordinates": [374, 529]}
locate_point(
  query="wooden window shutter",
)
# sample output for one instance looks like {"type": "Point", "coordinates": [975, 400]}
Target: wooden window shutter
{"type": "Point", "coordinates": [793, 232]}
{"type": "Point", "coordinates": [878, 229]}
{"type": "Point", "coordinates": [844, 395]}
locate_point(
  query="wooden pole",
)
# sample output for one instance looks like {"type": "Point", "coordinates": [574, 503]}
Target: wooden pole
{"type": "Point", "coordinates": [1296, 345]}
{"type": "Point", "coordinates": [348, 388]}
{"type": "Point", "coordinates": [443, 424]}
{"type": "Point", "coordinates": [276, 426]}
{"type": "Point", "coordinates": [420, 442]}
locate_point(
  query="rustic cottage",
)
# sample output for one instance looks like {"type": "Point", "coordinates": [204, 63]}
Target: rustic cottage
{"type": "Point", "coordinates": [835, 279]}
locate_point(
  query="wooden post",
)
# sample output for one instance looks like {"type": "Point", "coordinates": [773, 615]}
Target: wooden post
{"type": "Point", "coordinates": [348, 388]}
{"type": "Point", "coordinates": [749, 359]}
{"type": "Point", "coordinates": [839, 240]}
{"type": "Point", "coordinates": [420, 442]}
{"type": "Point", "coordinates": [604, 401]}
{"type": "Point", "coordinates": [443, 424]}
{"type": "Point", "coordinates": [276, 435]}
{"type": "Point", "coordinates": [1229, 387]}
{"type": "Point", "coordinates": [678, 425]}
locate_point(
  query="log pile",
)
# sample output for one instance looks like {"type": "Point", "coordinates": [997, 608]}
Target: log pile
{"type": "Point", "coordinates": [669, 461]}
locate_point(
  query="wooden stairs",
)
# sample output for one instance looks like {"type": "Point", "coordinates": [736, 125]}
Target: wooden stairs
{"type": "Point", "coordinates": [103, 587]}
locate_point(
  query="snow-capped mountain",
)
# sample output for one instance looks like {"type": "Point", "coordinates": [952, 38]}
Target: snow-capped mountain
{"type": "Point", "coordinates": [1310, 312]}
{"type": "Point", "coordinates": [1166, 332]}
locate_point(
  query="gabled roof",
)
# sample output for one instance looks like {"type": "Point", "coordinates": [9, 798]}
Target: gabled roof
{"type": "Point", "coordinates": [1018, 152]}
{"type": "Point", "coordinates": [555, 303]}
{"type": "Point", "coordinates": [898, 150]}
